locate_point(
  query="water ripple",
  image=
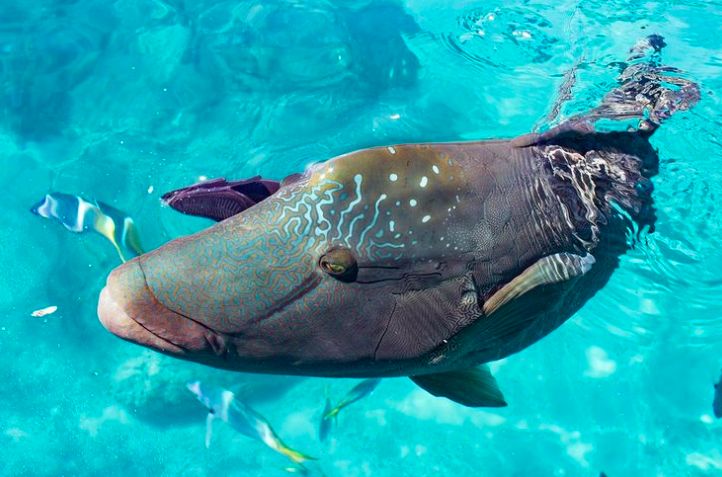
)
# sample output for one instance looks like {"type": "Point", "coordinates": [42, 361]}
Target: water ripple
{"type": "Point", "coordinates": [503, 37]}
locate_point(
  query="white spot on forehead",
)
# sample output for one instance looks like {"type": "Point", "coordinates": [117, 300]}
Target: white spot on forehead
{"type": "Point", "coordinates": [398, 202]}
{"type": "Point", "coordinates": [426, 218]}
{"type": "Point", "coordinates": [412, 202]}
{"type": "Point", "coordinates": [392, 150]}
{"type": "Point", "coordinates": [393, 177]}
{"type": "Point", "coordinates": [395, 116]}
{"type": "Point", "coordinates": [391, 225]}
{"type": "Point", "coordinates": [435, 169]}
{"type": "Point", "coordinates": [424, 181]}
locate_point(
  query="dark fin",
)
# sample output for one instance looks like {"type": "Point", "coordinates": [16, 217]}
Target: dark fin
{"type": "Point", "coordinates": [649, 46]}
{"type": "Point", "coordinates": [549, 270]}
{"type": "Point", "coordinates": [575, 128]}
{"type": "Point", "coordinates": [218, 199]}
{"type": "Point", "coordinates": [474, 387]}
{"type": "Point", "coordinates": [525, 140]}
{"type": "Point", "coordinates": [648, 91]}
{"type": "Point", "coordinates": [564, 94]}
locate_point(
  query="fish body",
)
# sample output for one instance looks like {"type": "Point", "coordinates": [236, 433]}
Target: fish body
{"type": "Point", "coordinates": [421, 260]}
{"type": "Point", "coordinates": [49, 310]}
{"type": "Point", "coordinates": [223, 405]}
{"type": "Point", "coordinates": [79, 215]}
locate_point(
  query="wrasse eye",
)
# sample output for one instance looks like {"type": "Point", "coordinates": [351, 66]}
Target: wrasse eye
{"type": "Point", "coordinates": [340, 263]}
{"type": "Point", "coordinates": [333, 268]}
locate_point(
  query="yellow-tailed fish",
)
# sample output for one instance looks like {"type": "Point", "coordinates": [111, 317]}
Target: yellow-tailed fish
{"type": "Point", "coordinates": [324, 426]}
{"type": "Point", "coordinates": [360, 391]}
{"type": "Point", "coordinates": [79, 215]}
{"type": "Point", "coordinates": [222, 404]}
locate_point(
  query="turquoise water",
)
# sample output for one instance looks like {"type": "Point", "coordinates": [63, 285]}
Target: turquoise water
{"type": "Point", "coordinates": [125, 100]}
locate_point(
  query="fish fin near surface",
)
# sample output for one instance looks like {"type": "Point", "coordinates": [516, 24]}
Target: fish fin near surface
{"type": "Point", "coordinates": [647, 91]}
{"type": "Point", "coordinates": [564, 94]}
{"type": "Point", "coordinates": [219, 199]}
{"type": "Point", "coordinates": [474, 387]}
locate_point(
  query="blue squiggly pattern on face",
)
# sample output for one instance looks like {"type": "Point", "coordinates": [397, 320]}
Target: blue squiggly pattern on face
{"type": "Point", "coordinates": [391, 206]}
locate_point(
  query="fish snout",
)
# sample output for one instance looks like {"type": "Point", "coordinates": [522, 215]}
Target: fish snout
{"type": "Point", "coordinates": [128, 308]}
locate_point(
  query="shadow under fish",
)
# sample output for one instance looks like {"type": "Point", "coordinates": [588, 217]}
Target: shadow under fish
{"type": "Point", "coordinates": [79, 215]}
{"type": "Point", "coordinates": [222, 404]}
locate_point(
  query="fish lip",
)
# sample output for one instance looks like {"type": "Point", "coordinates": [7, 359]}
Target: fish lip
{"type": "Point", "coordinates": [132, 312]}
{"type": "Point", "coordinates": [117, 321]}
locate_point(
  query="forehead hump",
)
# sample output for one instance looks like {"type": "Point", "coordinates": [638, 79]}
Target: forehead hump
{"type": "Point", "coordinates": [380, 201]}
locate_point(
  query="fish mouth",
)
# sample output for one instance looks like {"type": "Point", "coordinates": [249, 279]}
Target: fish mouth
{"type": "Point", "coordinates": [116, 320]}
{"type": "Point", "coordinates": [128, 308]}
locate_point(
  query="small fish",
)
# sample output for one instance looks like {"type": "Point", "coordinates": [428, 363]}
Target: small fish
{"type": "Point", "coordinates": [79, 215]}
{"type": "Point", "coordinates": [324, 427]}
{"type": "Point", "coordinates": [45, 311]}
{"type": "Point", "coordinates": [222, 404]}
{"type": "Point", "coordinates": [360, 391]}
{"type": "Point", "coordinates": [717, 402]}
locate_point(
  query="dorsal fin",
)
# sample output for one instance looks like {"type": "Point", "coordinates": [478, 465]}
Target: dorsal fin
{"type": "Point", "coordinates": [219, 199]}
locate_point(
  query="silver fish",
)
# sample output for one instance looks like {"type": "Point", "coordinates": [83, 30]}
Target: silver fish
{"type": "Point", "coordinates": [79, 215]}
{"type": "Point", "coordinates": [222, 404]}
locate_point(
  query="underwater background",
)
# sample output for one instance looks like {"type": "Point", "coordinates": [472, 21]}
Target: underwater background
{"type": "Point", "coordinates": [121, 101]}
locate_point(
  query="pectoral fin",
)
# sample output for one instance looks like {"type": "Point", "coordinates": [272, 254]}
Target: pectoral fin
{"type": "Point", "coordinates": [474, 387]}
{"type": "Point", "coordinates": [549, 270]}
{"type": "Point", "coordinates": [540, 286]}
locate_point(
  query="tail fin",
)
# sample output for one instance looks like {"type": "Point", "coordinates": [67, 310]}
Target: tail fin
{"type": "Point", "coordinates": [647, 91]}
{"type": "Point", "coordinates": [619, 164]}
